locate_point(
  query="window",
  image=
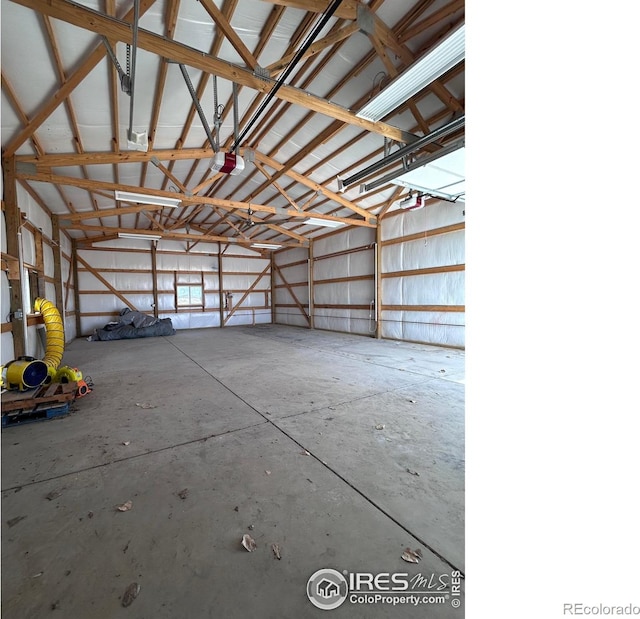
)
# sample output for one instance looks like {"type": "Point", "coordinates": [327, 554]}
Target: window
{"type": "Point", "coordinates": [189, 290]}
{"type": "Point", "coordinates": [189, 295]}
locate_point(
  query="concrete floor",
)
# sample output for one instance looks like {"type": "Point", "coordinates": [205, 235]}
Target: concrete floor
{"type": "Point", "coordinates": [228, 414]}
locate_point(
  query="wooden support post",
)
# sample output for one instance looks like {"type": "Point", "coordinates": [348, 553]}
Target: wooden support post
{"type": "Point", "coordinates": [37, 237]}
{"type": "Point", "coordinates": [220, 291]}
{"type": "Point", "coordinates": [76, 286]}
{"type": "Point", "coordinates": [378, 279]}
{"type": "Point", "coordinates": [273, 288]}
{"type": "Point", "coordinates": [311, 312]}
{"type": "Point", "coordinates": [13, 223]}
{"type": "Point", "coordinates": [154, 274]}
{"type": "Point", "coordinates": [57, 265]}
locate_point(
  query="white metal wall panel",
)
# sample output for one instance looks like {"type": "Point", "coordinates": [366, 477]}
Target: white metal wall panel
{"type": "Point", "coordinates": [357, 292]}
{"type": "Point", "coordinates": [445, 288]}
{"type": "Point", "coordinates": [295, 274]}
{"type": "Point", "coordinates": [196, 268]}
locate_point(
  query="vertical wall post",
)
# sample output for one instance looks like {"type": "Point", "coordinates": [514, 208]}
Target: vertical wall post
{"type": "Point", "coordinates": [311, 310]}
{"type": "Point", "coordinates": [13, 222]}
{"type": "Point", "coordinates": [57, 265]}
{"type": "Point", "coordinates": [154, 274]}
{"type": "Point", "coordinates": [378, 278]}
{"type": "Point", "coordinates": [272, 278]}
{"type": "Point", "coordinates": [220, 290]}
{"type": "Point", "coordinates": [76, 286]}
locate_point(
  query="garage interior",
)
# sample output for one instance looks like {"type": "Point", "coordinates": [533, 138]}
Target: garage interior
{"type": "Point", "coordinates": [297, 219]}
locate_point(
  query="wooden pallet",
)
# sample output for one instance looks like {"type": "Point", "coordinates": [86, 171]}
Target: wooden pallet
{"type": "Point", "coordinates": [48, 411]}
{"type": "Point", "coordinates": [45, 396]}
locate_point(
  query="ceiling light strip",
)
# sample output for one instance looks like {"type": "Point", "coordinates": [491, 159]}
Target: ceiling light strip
{"type": "Point", "coordinates": [143, 198]}
{"type": "Point", "coordinates": [132, 235]}
{"type": "Point", "coordinates": [419, 75]}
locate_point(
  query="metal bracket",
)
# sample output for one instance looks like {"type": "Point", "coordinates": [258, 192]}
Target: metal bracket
{"type": "Point", "coordinates": [365, 20]}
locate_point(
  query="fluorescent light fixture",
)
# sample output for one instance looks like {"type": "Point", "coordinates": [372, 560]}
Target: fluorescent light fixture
{"type": "Point", "coordinates": [132, 235]}
{"type": "Point", "coordinates": [329, 223]}
{"type": "Point", "coordinates": [446, 55]}
{"type": "Point", "coordinates": [266, 245]}
{"type": "Point", "coordinates": [144, 198]}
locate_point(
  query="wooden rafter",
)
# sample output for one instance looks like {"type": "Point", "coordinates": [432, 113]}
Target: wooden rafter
{"type": "Point", "coordinates": [77, 138]}
{"type": "Point", "coordinates": [117, 29]}
{"type": "Point", "coordinates": [8, 89]}
{"type": "Point", "coordinates": [223, 23]}
{"type": "Point", "coordinates": [335, 37]}
{"type": "Point", "coordinates": [68, 87]}
{"type": "Point", "coordinates": [227, 204]}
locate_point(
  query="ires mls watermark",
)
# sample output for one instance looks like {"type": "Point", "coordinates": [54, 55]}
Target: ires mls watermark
{"type": "Point", "coordinates": [600, 610]}
{"type": "Point", "coordinates": [328, 589]}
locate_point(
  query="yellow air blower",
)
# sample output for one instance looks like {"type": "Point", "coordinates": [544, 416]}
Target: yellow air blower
{"type": "Point", "coordinates": [24, 373]}
{"type": "Point", "coordinates": [66, 374]}
{"type": "Point", "coordinates": [55, 335]}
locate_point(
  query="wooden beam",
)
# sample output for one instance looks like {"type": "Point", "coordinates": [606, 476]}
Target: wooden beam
{"type": "Point", "coordinates": [108, 212]}
{"type": "Point", "coordinates": [57, 263]}
{"type": "Point", "coordinates": [293, 294]}
{"type": "Point", "coordinates": [58, 160]}
{"type": "Point", "coordinates": [426, 271]}
{"type": "Point", "coordinates": [422, 235]}
{"type": "Point", "coordinates": [13, 221]}
{"type": "Point", "coordinates": [423, 308]}
{"type": "Point", "coordinates": [106, 283]}
{"type": "Point", "coordinates": [348, 9]}
{"type": "Point", "coordinates": [178, 52]}
{"type": "Point", "coordinates": [154, 280]}
{"type": "Point", "coordinates": [307, 182]}
{"type": "Point", "coordinates": [69, 86]}
{"type": "Point", "coordinates": [246, 294]}
{"type": "Point", "coordinates": [431, 20]}
{"type": "Point", "coordinates": [227, 204]}
{"type": "Point", "coordinates": [223, 23]}
{"type": "Point", "coordinates": [315, 48]}
{"type": "Point", "coordinates": [76, 286]}
{"type": "Point", "coordinates": [13, 98]}
{"type": "Point", "coordinates": [281, 191]}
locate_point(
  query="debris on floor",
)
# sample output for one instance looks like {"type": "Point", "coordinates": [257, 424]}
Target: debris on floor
{"type": "Point", "coordinates": [412, 401]}
{"type": "Point", "coordinates": [412, 472]}
{"type": "Point", "coordinates": [126, 443]}
{"type": "Point", "coordinates": [145, 405]}
{"type": "Point", "coordinates": [380, 426]}
{"type": "Point", "coordinates": [183, 494]}
{"type": "Point", "coordinates": [130, 594]}
{"type": "Point", "coordinates": [276, 551]}
{"type": "Point", "coordinates": [412, 556]}
{"type": "Point", "coordinates": [305, 453]}
{"type": "Point", "coordinates": [125, 507]}
{"type": "Point", "coordinates": [14, 521]}
{"type": "Point", "coordinates": [268, 472]}
{"type": "Point", "coordinates": [248, 542]}
{"type": "Point", "coordinates": [54, 494]}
